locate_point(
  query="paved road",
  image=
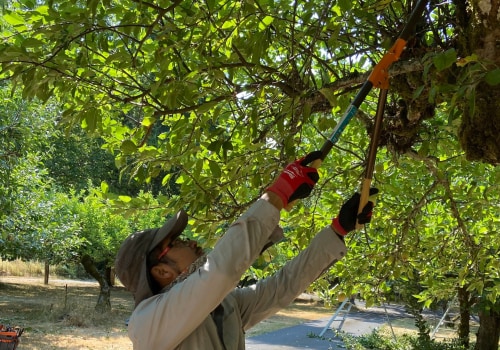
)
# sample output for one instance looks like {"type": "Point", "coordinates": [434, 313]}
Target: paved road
{"type": "Point", "coordinates": [306, 336]}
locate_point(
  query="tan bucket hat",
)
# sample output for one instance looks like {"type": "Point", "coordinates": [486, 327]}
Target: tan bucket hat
{"type": "Point", "coordinates": [131, 261]}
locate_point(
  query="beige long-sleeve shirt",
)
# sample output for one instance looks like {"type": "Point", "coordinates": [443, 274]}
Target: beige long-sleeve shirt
{"type": "Point", "coordinates": [182, 317]}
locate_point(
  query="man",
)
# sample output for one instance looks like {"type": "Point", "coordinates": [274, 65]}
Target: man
{"type": "Point", "coordinates": [185, 299]}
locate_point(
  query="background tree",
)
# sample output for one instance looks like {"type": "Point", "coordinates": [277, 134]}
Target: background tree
{"type": "Point", "coordinates": [23, 131]}
{"type": "Point", "coordinates": [48, 212]}
{"type": "Point", "coordinates": [75, 158]}
{"type": "Point", "coordinates": [103, 234]}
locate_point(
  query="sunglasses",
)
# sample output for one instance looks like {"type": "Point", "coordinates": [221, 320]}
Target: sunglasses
{"type": "Point", "coordinates": [175, 243]}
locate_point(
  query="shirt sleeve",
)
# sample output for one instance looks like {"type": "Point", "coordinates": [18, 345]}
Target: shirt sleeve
{"type": "Point", "coordinates": [164, 320]}
{"type": "Point", "coordinates": [274, 293]}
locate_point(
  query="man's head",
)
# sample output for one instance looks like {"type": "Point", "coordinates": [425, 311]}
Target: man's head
{"type": "Point", "coordinates": [150, 259]}
{"type": "Point", "coordinates": [170, 259]}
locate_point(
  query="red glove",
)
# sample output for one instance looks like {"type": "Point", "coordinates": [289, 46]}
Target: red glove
{"type": "Point", "coordinates": [297, 180]}
{"type": "Point", "coordinates": [345, 222]}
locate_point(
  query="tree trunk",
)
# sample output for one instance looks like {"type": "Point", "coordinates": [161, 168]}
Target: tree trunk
{"type": "Point", "coordinates": [104, 299]}
{"type": "Point", "coordinates": [110, 276]}
{"type": "Point", "coordinates": [46, 273]}
{"type": "Point", "coordinates": [480, 125]}
{"type": "Point", "coordinates": [464, 326]}
{"type": "Point", "coordinates": [489, 330]}
{"type": "Point", "coordinates": [414, 307]}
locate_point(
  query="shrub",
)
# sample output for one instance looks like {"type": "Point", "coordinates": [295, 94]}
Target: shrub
{"type": "Point", "coordinates": [377, 341]}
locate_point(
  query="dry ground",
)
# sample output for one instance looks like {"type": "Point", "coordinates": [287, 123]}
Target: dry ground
{"type": "Point", "coordinates": [61, 315]}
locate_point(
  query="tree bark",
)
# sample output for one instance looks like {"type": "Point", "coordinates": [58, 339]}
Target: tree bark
{"type": "Point", "coordinates": [46, 273]}
{"type": "Point", "coordinates": [110, 276]}
{"type": "Point", "coordinates": [464, 326]}
{"type": "Point", "coordinates": [489, 330]}
{"type": "Point", "coordinates": [104, 299]}
{"type": "Point", "coordinates": [480, 123]}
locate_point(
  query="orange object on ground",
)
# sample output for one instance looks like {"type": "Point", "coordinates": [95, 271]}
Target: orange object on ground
{"type": "Point", "coordinates": [9, 337]}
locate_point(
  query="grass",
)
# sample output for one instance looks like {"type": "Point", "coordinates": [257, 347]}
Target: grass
{"type": "Point", "coordinates": [21, 268]}
{"type": "Point", "coordinates": [402, 326]}
{"type": "Point", "coordinates": [61, 315]}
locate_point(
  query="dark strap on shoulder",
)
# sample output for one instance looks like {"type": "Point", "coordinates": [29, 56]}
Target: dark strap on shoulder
{"type": "Point", "coordinates": [218, 317]}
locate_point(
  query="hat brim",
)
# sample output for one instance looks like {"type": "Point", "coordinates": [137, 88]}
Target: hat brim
{"type": "Point", "coordinates": [171, 229]}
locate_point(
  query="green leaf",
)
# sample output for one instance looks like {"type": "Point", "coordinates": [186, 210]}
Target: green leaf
{"type": "Point", "coordinates": [166, 179]}
{"type": "Point", "coordinates": [205, 107]}
{"type": "Point", "coordinates": [128, 147]}
{"type": "Point", "coordinates": [215, 146]}
{"type": "Point", "coordinates": [214, 168]}
{"type": "Point", "coordinates": [345, 5]}
{"type": "Point", "coordinates": [180, 180]}
{"type": "Point", "coordinates": [227, 145]}
{"type": "Point", "coordinates": [43, 10]}
{"type": "Point", "coordinates": [104, 187]}
{"type": "Point", "coordinates": [13, 19]}
{"type": "Point", "coordinates": [378, 6]}
{"type": "Point", "coordinates": [125, 199]}
{"type": "Point", "coordinates": [464, 61]}
{"type": "Point", "coordinates": [265, 22]}
{"type": "Point", "coordinates": [445, 59]}
{"type": "Point", "coordinates": [32, 43]}
{"type": "Point", "coordinates": [148, 121]}
{"type": "Point", "coordinates": [92, 4]}
{"type": "Point", "coordinates": [328, 94]}
{"type": "Point", "coordinates": [229, 24]}
{"type": "Point", "coordinates": [418, 91]}
{"type": "Point", "coordinates": [493, 77]}
{"type": "Point", "coordinates": [256, 181]}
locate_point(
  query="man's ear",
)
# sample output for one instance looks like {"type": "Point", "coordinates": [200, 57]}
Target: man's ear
{"type": "Point", "coordinates": [162, 274]}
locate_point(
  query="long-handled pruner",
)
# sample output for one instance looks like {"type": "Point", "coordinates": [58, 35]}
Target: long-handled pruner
{"type": "Point", "coordinates": [378, 78]}
{"type": "Point", "coordinates": [372, 154]}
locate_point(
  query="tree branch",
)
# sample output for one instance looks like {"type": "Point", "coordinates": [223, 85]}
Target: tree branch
{"type": "Point", "coordinates": [430, 163]}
